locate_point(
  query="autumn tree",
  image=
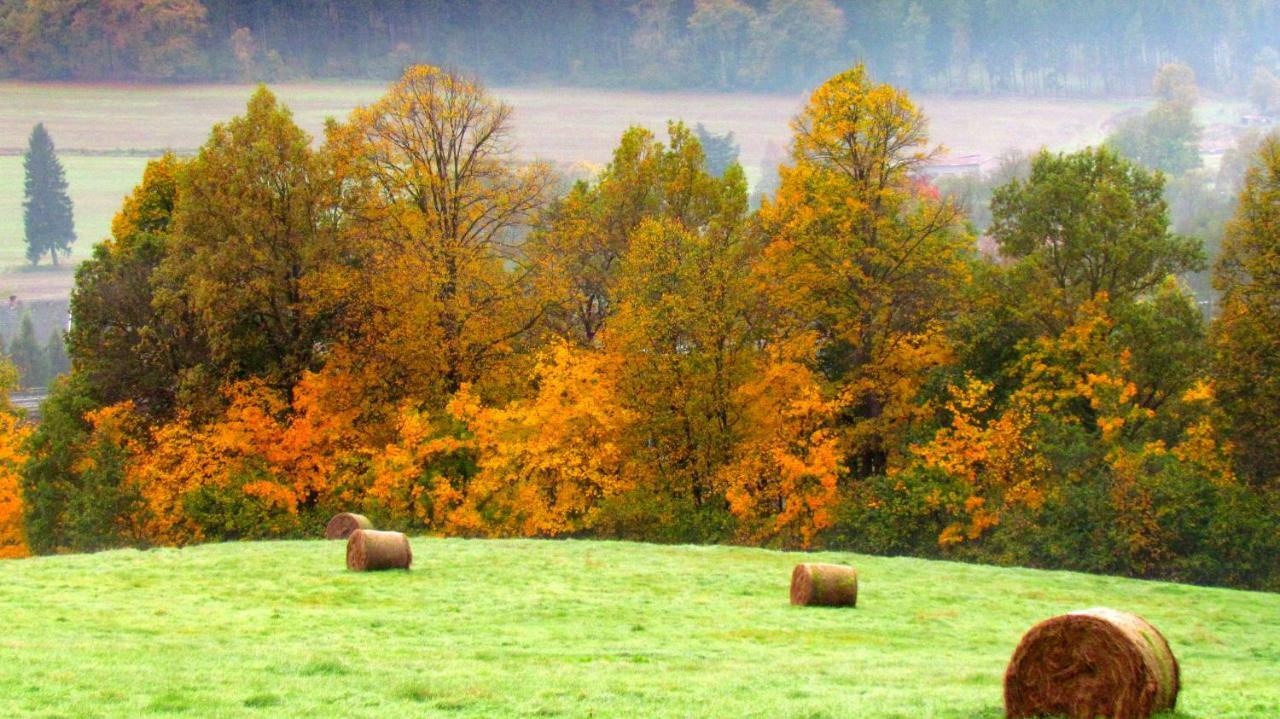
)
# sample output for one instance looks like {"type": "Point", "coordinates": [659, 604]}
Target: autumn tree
{"type": "Point", "coordinates": [865, 255]}
{"type": "Point", "coordinates": [548, 463]}
{"type": "Point", "coordinates": [46, 209]}
{"type": "Point", "coordinates": [689, 330]}
{"type": "Point", "coordinates": [114, 39]}
{"type": "Point", "coordinates": [13, 541]}
{"type": "Point", "coordinates": [1247, 333]}
{"type": "Point", "coordinates": [783, 480]}
{"type": "Point", "coordinates": [579, 243]}
{"type": "Point", "coordinates": [118, 342]}
{"type": "Point", "coordinates": [434, 203]}
{"type": "Point", "coordinates": [250, 226]}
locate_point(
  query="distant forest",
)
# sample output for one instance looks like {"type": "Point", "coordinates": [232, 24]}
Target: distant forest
{"type": "Point", "coordinates": [1085, 47]}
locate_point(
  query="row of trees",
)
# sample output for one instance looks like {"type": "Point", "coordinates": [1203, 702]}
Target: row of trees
{"type": "Point", "coordinates": [407, 322]}
{"type": "Point", "coordinates": [1021, 46]}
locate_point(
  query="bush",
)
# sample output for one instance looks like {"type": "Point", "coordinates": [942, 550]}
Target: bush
{"type": "Point", "coordinates": [646, 514]}
{"type": "Point", "coordinates": [228, 511]}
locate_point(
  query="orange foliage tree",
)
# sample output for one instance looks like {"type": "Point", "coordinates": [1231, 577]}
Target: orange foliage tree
{"type": "Point", "coordinates": [546, 464]}
{"type": "Point", "coordinates": [13, 542]}
{"type": "Point", "coordinates": [433, 202]}
{"type": "Point", "coordinates": [783, 482]}
{"type": "Point", "coordinates": [278, 458]}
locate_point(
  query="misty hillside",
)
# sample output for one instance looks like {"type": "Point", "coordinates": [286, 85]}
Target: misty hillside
{"type": "Point", "coordinates": [965, 46]}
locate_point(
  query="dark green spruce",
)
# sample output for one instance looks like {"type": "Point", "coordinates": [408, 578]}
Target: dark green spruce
{"type": "Point", "coordinates": [46, 209]}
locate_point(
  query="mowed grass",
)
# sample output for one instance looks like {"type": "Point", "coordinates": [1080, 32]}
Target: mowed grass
{"type": "Point", "coordinates": [568, 629]}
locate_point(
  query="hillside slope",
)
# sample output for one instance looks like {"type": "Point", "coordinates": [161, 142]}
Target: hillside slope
{"type": "Point", "coordinates": [573, 629]}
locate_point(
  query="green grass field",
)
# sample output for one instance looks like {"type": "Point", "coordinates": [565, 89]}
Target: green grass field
{"type": "Point", "coordinates": [568, 629]}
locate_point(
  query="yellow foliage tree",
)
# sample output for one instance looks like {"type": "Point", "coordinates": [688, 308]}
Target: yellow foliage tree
{"type": "Point", "coordinates": [864, 253]}
{"type": "Point", "coordinates": [547, 463]}
{"type": "Point", "coordinates": [581, 241]}
{"type": "Point", "coordinates": [433, 201]}
{"type": "Point", "coordinates": [783, 482]}
{"type": "Point", "coordinates": [996, 460]}
{"type": "Point", "coordinates": [690, 331]}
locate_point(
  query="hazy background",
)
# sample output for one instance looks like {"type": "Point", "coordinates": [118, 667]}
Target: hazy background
{"type": "Point", "coordinates": [118, 82]}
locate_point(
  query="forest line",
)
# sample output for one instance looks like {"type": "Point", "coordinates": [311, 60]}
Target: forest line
{"type": "Point", "coordinates": [404, 321]}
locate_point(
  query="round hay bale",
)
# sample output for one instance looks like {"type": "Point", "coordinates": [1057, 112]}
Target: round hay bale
{"type": "Point", "coordinates": [1089, 664]}
{"type": "Point", "coordinates": [824, 585]}
{"type": "Point", "coordinates": [342, 525]}
{"type": "Point", "coordinates": [370, 550]}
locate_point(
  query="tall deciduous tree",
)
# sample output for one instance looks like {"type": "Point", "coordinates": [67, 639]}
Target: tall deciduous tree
{"type": "Point", "coordinates": [46, 210]}
{"type": "Point", "coordinates": [250, 227]}
{"type": "Point", "coordinates": [581, 240]}
{"type": "Point", "coordinates": [689, 329]}
{"type": "Point", "coordinates": [435, 203]}
{"type": "Point", "coordinates": [863, 254]}
{"type": "Point", "coordinates": [1084, 224]}
{"type": "Point", "coordinates": [1247, 334]}
{"type": "Point", "coordinates": [120, 345]}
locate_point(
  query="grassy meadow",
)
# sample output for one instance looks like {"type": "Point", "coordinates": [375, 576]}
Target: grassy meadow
{"type": "Point", "coordinates": [569, 629]}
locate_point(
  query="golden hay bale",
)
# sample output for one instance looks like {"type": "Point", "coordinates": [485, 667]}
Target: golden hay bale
{"type": "Point", "coordinates": [342, 525]}
{"type": "Point", "coordinates": [369, 550]}
{"type": "Point", "coordinates": [824, 585]}
{"type": "Point", "coordinates": [1089, 664]}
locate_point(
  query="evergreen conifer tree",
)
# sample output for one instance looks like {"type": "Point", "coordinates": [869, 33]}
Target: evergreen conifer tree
{"type": "Point", "coordinates": [55, 352]}
{"type": "Point", "coordinates": [46, 209]}
{"type": "Point", "coordinates": [29, 357]}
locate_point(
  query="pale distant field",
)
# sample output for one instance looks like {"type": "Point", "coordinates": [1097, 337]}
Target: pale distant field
{"type": "Point", "coordinates": [561, 124]}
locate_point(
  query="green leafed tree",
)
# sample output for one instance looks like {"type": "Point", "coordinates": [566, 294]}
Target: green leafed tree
{"type": "Point", "coordinates": [121, 346]}
{"type": "Point", "coordinates": [46, 211]}
{"type": "Point", "coordinates": [1247, 333]}
{"type": "Point", "coordinates": [1084, 224]}
{"type": "Point", "coordinates": [721, 151]}
{"type": "Point", "coordinates": [247, 228]}
{"type": "Point", "coordinates": [55, 352]}
{"type": "Point", "coordinates": [1167, 137]}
